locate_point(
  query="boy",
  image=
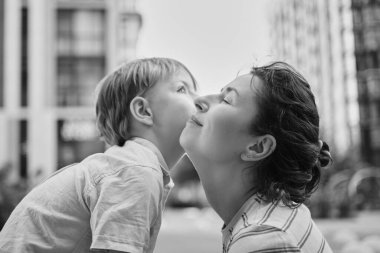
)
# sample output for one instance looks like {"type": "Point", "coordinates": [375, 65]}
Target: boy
{"type": "Point", "coordinates": [112, 202]}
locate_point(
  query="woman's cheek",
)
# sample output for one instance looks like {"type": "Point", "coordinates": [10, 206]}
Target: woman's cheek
{"type": "Point", "coordinates": [223, 125]}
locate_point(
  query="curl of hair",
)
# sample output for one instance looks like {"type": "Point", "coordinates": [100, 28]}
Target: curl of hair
{"type": "Point", "coordinates": [287, 111]}
{"type": "Point", "coordinates": [116, 91]}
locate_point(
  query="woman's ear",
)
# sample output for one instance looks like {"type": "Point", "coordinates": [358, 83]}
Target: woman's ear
{"type": "Point", "coordinates": [261, 148]}
{"type": "Point", "coordinates": [141, 111]}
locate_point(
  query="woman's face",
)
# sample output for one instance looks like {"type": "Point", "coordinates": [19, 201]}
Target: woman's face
{"type": "Point", "coordinates": [220, 129]}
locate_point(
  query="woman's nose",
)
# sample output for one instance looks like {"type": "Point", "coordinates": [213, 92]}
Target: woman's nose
{"type": "Point", "coordinates": [203, 103]}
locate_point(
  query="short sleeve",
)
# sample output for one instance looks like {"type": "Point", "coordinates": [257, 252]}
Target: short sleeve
{"type": "Point", "coordinates": [123, 206]}
{"type": "Point", "coordinates": [267, 240]}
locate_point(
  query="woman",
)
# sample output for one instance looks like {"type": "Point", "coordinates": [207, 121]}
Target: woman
{"type": "Point", "coordinates": [257, 151]}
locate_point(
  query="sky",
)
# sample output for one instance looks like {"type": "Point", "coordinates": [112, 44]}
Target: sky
{"type": "Point", "coordinates": [215, 39]}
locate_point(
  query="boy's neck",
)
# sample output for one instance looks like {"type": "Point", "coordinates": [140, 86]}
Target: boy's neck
{"type": "Point", "coordinates": [170, 156]}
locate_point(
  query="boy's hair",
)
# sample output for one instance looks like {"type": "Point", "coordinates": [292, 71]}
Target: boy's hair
{"type": "Point", "coordinates": [116, 91]}
{"type": "Point", "coordinates": [287, 111]}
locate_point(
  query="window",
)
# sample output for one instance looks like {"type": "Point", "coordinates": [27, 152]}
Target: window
{"type": "Point", "coordinates": [80, 55]}
{"type": "Point", "coordinates": [23, 148]}
{"type": "Point", "coordinates": [77, 79]}
{"type": "Point", "coordinates": [371, 38]}
{"type": "Point", "coordinates": [77, 139]}
{"type": "Point", "coordinates": [373, 80]}
{"type": "Point", "coordinates": [24, 57]}
{"type": "Point", "coordinates": [1, 53]}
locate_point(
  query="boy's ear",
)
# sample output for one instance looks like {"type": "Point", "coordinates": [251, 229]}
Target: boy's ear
{"type": "Point", "coordinates": [141, 111]}
{"type": "Point", "coordinates": [259, 149]}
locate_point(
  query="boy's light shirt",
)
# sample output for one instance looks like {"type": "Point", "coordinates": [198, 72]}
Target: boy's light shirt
{"type": "Point", "coordinates": [113, 200]}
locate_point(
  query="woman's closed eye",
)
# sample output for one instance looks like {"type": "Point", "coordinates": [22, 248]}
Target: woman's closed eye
{"type": "Point", "coordinates": [227, 100]}
{"type": "Point", "coordinates": [182, 89]}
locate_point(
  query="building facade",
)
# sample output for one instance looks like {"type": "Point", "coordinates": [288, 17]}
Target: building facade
{"type": "Point", "coordinates": [316, 37]}
{"type": "Point", "coordinates": [55, 52]}
{"type": "Point", "coordinates": [1, 52]}
{"type": "Point", "coordinates": [366, 17]}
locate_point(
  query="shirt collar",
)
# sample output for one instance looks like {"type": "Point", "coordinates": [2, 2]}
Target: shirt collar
{"type": "Point", "coordinates": [155, 150]}
{"type": "Point", "coordinates": [254, 200]}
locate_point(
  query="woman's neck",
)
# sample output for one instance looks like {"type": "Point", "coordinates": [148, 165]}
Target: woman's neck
{"type": "Point", "coordinates": [226, 189]}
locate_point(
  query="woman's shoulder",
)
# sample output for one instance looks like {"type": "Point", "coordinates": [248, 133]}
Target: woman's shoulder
{"type": "Point", "coordinates": [262, 238]}
{"type": "Point", "coordinates": [278, 215]}
{"type": "Point", "coordinates": [273, 227]}
{"type": "Point", "coordinates": [274, 214]}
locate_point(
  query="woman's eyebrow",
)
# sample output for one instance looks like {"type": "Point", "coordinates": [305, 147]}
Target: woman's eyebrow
{"type": "Point", "coordinates": [229, 89]}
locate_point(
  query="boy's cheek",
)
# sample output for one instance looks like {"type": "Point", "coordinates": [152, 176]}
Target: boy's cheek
{"type": "Point", "coordinates": [188, 108]}
{"type": "Point", "coordinates": [192, 107]}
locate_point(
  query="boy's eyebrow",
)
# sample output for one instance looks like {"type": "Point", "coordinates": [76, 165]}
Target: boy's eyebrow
{"type": "Point", "coordinates": [229, 89]}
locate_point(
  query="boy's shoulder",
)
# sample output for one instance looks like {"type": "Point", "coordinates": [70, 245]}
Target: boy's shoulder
{"type": "Point", "coordinates": [132, 158]}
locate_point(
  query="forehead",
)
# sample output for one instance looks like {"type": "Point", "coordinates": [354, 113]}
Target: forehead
{"type": "Point", "coordinates": [180, 75]}
{"type": "Point", "coordinates": [247, 85]}
{"type": "Point", "coordinates": [171, 81]}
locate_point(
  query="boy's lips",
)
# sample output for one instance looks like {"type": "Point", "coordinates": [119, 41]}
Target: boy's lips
{"type": "Point", "coordinates": [195, 121]}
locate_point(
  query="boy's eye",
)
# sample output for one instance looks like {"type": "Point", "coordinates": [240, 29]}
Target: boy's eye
{"type": "Point", "coordinates": [181, 89]}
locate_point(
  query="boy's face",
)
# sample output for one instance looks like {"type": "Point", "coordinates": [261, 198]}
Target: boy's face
{"type": "Point", "coordinates": [172, 104]}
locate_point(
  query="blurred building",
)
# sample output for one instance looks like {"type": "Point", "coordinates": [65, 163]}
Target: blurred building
{"type": "Point", "coordinates": [54, 54]}
{"type": "Point", "coordinates": [1, 52]}
{"type": "Point", "coordinates": [317, 37]}
{"type": "Point", "coordinates": [366, 17]}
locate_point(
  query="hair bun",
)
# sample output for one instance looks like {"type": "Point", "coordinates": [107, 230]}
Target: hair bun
{"type": "Point", "coordinates": [324, 154]}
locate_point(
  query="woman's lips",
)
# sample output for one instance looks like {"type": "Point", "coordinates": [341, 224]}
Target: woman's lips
{"type": "Point", "coordinates": [196, 121]}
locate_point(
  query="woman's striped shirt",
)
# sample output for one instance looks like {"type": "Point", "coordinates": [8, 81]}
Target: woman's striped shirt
{"type": "Point", "coordinates": [263, 227]}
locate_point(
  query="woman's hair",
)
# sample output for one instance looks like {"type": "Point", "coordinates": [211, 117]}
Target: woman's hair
{"type": "Point", "coordinates": [288, 112]}
{"type": "Point", "coordinates": [116, 91]}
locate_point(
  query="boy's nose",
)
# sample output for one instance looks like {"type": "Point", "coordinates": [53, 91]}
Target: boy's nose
{"type": "Point", "coordinates": [194, 95]}
{"type": "Point", "coordinates": [201, 103]}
